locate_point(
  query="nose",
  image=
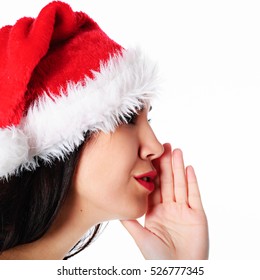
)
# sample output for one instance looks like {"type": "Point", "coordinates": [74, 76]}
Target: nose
{"type": "Point", "coordinates": [150, 147]}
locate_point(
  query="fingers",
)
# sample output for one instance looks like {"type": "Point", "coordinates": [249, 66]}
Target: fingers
{"type": "Point", "coordinates": [180, 183]}
{"type": "Point", "coordinates": [177, 183]}
{"type": "Point", "coordinates": [166, 174]}
{"type": "Point", "coordinates": [194, 198]}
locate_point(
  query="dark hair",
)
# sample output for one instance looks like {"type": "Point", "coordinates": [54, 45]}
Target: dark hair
{"type": "Point", "coordinates": [30, 202]}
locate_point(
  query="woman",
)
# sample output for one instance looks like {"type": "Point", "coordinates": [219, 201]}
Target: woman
{"type": "Point", "coordinates": [77, 148]}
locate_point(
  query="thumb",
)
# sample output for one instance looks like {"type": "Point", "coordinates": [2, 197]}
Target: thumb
{"type": "Point", "coordinates": [148, 243]}
{"type": "Point", "coordinates": [137, 231]}
{"type": "Point", "coordinates": [143, 238]}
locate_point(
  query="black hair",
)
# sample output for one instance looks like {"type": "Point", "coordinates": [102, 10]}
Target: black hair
{"type": "Point", "coordinates": [30, 202]}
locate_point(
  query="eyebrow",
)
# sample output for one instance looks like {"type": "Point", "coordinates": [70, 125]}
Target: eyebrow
{"type": "Point", "coordinates": [150, 109]}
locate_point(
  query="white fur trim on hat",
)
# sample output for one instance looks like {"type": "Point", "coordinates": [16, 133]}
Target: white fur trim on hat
{"type": "Point", "coordinates": [55, 126]}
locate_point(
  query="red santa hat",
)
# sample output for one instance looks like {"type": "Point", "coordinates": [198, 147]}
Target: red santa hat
{"type": "Point", "coordinates": [61, 76]}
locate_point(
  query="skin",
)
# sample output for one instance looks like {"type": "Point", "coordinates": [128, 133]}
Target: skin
{"type": "Point", "coordinates": [175, 223]}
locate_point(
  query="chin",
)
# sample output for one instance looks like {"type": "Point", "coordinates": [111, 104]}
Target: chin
{"type": "Point", "coordinates": [136, 211]}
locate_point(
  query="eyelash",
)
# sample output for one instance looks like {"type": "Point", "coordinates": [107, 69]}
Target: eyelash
{"type": "Point", "coordinates": [132, 119]}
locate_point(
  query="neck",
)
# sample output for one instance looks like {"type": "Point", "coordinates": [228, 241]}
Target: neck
{"type": "Point", "coordinates": [72, 222]}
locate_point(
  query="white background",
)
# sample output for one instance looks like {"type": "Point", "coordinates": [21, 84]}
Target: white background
{"type": "Point", "coordinates": [209, 56]}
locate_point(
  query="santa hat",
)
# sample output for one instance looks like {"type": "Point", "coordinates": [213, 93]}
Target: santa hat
{"type": "Point", "coordinates": [61, 76]}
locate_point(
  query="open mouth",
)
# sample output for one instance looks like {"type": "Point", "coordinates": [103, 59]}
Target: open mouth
{"type": "Point", "coordinates": [147, 180]}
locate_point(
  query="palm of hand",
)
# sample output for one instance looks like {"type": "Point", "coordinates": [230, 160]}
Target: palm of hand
{"type": "Point", "coordinates": [175, 223]}
{"type": "Point", "coordinates": [177, 232]}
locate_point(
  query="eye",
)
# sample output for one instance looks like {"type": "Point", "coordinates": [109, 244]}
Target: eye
{"type": "Point", "coordinates": [131, 119]}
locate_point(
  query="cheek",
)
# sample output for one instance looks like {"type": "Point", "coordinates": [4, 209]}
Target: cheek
{"type": "Point", "coordinates": [104, 179]}
{"type": "Point", "coordinates": [115, 195]}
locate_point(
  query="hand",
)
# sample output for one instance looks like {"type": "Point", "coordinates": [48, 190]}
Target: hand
{"type": "Point", "coordinates": [175, 224]}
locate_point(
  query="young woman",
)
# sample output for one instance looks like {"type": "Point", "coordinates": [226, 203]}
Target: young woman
{"type": "Point", "coordinates": [77, 149]}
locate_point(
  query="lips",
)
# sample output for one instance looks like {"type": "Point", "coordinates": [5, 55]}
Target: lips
{"type": "Point", "coordinates": [147, 180]}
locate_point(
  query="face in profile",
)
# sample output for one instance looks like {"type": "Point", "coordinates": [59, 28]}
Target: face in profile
{"type": "Point", "coordinates": [115, 173]}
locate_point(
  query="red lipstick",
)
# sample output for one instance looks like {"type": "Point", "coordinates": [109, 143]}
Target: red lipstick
{"type": "Point", "coordinates": [147, 180]}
